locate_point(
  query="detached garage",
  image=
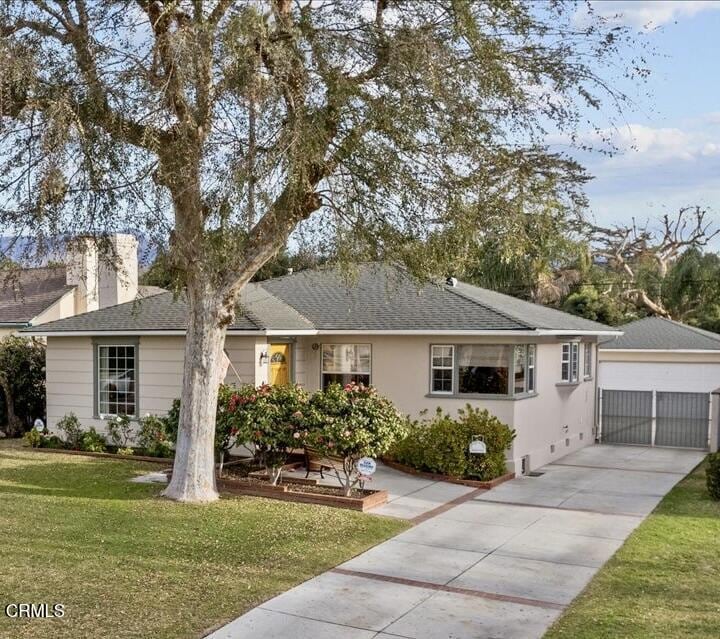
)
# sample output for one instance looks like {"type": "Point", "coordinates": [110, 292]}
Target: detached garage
{"type": "Point", "coordinates": [659, 385]}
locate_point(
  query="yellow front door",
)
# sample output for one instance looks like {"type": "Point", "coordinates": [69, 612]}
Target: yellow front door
{"type": "Point", "coordinates": [279, 364]}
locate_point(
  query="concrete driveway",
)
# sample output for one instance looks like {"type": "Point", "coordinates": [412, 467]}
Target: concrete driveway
{"type": "Point", "coordinates": [502, 563]}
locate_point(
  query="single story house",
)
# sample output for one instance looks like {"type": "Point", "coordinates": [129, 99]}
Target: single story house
{"type": "Point", "coordinates": [421, 345]}
{"type": "Point", "coordinates": [657, 384]}
{"type": "Point", "coordinates": [87, 282]}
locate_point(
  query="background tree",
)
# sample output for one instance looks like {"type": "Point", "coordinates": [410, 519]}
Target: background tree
{"type": "Point", "coordinates": [22, 383]}
{"type": "Point", "coordinates": [226, 124]}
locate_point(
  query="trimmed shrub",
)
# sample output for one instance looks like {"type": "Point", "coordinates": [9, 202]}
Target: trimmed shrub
{"type": "Point", "coordinates": [92, 441]}
{"type": "Point", "coordinates": [351, 422]}
{"type": "Point", "coordinates": [33, 438]}
{"type": "Point", "coordinates": [126, 452]}
{"type": "Point", "coordinates": [154, 438]}
{"type": "Point", "coordinates": [712, 475]}
{"type": "Point", "coordinates": [72, 431]}
{"type": "Point", "coordinates": [52, 441]}
{"type": "Point", "coordinates": [441, 445]}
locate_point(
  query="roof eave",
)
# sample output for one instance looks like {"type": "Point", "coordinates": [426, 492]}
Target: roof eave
{"type": "Point", "coordinates": [716, 351]}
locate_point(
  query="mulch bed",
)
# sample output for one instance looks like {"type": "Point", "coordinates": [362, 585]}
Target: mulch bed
{"type": "Point", "coordinates": [303, 492]}
{"type": "Point", "coordinates": [473, 483]}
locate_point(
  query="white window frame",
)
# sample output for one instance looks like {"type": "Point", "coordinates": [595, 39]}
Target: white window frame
{"type": "Point", "coordinates": [98, 379]}
{"type": "Point", "coordinates": [323, 372]}
{"type": "Point", "coordinates": [531, 369]}
{"type": "Point", "coordinates": [569, 358]}
{"type": "Point", "coordinates": [587, 361]}
{"type": "Point", "coordinates": [451, 368]}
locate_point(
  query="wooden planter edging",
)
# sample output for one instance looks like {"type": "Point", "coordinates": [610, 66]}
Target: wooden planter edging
{"type": "Point", "coordinates": [473, 483]}
{"type": "Point", "coordinates": [87, 453]}
{"type": "Point", "coordinates": [371, 500]}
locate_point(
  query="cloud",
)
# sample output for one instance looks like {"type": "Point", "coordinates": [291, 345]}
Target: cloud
{"type": "Point", "coordinates": [656, 170]}
{"type": "Point", "coordinates": [648, 14]}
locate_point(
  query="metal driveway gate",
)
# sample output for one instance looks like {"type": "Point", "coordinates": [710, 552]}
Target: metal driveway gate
{"type": "Point", "coordinates": [626, 417]}
{"type": "Point", "coordinates": [682, 419]}
{"type": "Point", "coordinates": [655, 418]}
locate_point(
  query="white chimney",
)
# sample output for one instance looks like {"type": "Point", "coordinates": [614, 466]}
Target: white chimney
{"type": "Point", "coordinates": [118, 278]}
{"type": "Point", "coordinates": [82, 272]}
{"type": "Point", "coordinates": [104, 274]}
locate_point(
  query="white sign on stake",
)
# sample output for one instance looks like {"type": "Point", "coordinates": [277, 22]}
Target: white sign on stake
{"type": "Point", "coordinates": [478, 446]}
{"type": "Point", "coordinates": [366, 465]}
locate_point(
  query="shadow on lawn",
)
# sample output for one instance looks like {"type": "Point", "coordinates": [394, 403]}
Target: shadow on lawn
{"type": "Point", "coordinates": [85, 480]}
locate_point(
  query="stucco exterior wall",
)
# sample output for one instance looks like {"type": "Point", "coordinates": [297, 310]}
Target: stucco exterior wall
{"type": "Point", "coordinates": [401, 371]}
{"type": "Point", "coordinates": [560, 419]}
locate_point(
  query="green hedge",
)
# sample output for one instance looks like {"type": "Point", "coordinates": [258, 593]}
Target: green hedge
{"type": "Point", "coordinates": [441, 445]}
{"type": "Point", "coordinates": [712, 475]}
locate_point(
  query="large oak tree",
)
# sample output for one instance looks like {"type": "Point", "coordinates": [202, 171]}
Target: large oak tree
{"type": "Point", "coordinates": [225, 124]}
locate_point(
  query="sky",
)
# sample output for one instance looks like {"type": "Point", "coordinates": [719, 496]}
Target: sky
{"type": "Point", "coordinates": [669, 143]}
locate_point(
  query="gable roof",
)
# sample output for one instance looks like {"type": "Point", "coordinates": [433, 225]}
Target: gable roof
{"type": "Point", "coordinates": [30, 292]}
{"type": "Point", "coordinates": [380, 298]}
{"type": "Point", "coordinates": [657, 333]}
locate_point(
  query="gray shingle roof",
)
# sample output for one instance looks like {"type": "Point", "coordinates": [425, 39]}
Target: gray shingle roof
{"type": "Point", "coordinates": [656, 333]}
{"type": "Point", "coordinates": [29, 292]}
{"type": "Point", "coordinates": [380, 298]}
{"type": "Point", "coordinates": [529, 314]}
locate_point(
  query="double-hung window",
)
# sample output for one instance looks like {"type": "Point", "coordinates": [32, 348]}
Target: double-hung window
{"type": "Point", "coordinates": [442, 364]}
{"type": "Point", "coordinates": [587, 361]}
{"type": "Point", "coordinates": [116, 379]}
{"type": "Point", "coordinates": [345, 363]}
{"type": "Point", "coordinates": [569, 363]}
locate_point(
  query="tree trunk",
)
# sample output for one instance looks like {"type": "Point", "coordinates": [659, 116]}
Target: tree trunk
{"type": "Point", "coordinates": [193, 478]}
{"type": "Point", "coordinates": [14, 425]}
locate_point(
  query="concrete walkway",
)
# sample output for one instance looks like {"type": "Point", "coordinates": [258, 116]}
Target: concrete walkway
{"type": "Point", "coordinates": [502, 563]}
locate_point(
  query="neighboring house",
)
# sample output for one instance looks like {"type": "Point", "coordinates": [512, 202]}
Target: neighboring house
{"type": "Point", "coordinates": [87, 282]}
{"type": "Point", "coordinates": [423, 346]}
{"type": "Point", "coordinates": [657, 382]}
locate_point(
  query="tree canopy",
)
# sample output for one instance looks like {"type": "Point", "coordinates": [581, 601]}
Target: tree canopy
{"type": "Point", "coordinates": [400, 130]}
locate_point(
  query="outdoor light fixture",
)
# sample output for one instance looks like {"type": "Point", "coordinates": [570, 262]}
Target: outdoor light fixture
{"type": "Point", "coordinates": [263, 358]}
{"type": "Point", "coordinates": [315, 346]}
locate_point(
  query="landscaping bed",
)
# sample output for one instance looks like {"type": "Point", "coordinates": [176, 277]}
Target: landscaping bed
{"type": "Point", "coordinates": [474, 483]}
{"type": "Point", "coordinates": [244, 479]}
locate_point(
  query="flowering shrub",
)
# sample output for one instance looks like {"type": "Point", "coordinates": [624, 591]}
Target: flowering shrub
{"type": "Point", "coordinates": [271, 418]}
{"type": "Point", "coordinates": [154, 437]}
{"type": "Point", "coordinates": [120, 431]}
{"type": "Point", "coordinates": [351, 422]}
{"type": "Point", "coordinates": [441, 445]}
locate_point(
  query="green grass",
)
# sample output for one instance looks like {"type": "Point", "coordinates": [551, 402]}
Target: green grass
{"type": "Point", "coordinates": [127, 563]}
{"type": "Point", "coordinates": [664, 582]}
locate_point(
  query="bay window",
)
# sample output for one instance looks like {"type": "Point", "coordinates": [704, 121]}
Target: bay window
{"type": "Point", "coordinates": [494, 370]}
{"type": "Point", "coordinates": [345, 363]}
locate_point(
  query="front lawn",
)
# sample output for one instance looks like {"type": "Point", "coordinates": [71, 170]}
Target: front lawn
{"type": "Point", "coordinates": [125, 563]}
{"type": "Point", "coordinates": [664, 582]}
